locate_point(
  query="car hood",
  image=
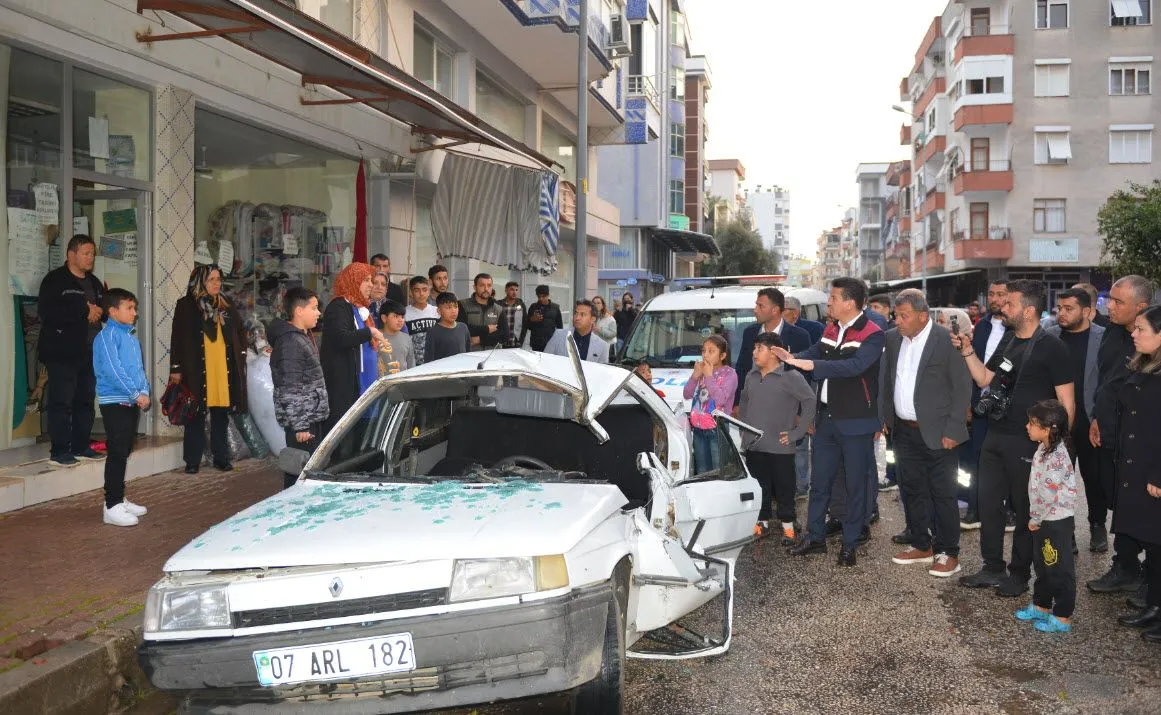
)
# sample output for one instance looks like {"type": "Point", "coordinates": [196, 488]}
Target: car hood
{"type": "Point", "coordinates": [323, 523]}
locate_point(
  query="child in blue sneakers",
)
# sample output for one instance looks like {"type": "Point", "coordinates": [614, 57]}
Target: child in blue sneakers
{"type": "Point", "coordinates": [1052, 496]}
{"type": "Point", "coordinates": [122, 392]}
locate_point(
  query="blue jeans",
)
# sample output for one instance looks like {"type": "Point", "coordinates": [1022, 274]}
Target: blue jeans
{"type": "Point", "coordinates": [802, 464]}
{"type": "Point", "coordinates": [706, 454]}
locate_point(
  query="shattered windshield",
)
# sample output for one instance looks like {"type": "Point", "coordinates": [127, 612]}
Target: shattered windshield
{"type": "Point", "coordinates": [673, 338]}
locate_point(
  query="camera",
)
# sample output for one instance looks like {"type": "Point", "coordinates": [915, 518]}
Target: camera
{"type": "Point", "coordinates": [998, 400]}
{"type": "Point", "coordinates": [955, 325]}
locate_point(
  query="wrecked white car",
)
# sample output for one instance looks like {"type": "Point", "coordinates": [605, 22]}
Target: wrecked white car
{"type": "Point", "coordinates": [480, 528]}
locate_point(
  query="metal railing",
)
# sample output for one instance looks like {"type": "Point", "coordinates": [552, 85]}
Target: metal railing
{"type": "Point", "coordinates": [992, 29]}
{"type": "Point", "coordinates": [642, 85]}
{"type": "Point", "coordinates": [993, 233]}
{"type": "Point", "coordinates": [990, 165]}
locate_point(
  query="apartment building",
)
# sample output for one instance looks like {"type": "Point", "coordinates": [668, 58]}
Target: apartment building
{"type": "Point", "coordinates": [771, 207]}
{"type": "Point", "coordinates": [728, 198]}
{"type": "Point", "coordinates": [698, 82]}
{"type": "Point", "coordinates": [1025, 117]}
{"type": "Point", "coordinates": [874, 192]}
{"type": "Point", "coordinates": [643, 171]}
{"type": "Point", "coordinates": [897, 230]}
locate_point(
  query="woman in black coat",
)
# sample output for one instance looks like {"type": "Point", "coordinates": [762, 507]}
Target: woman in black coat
{"type": "Point", "coordinates": [344, 334]}
{"type": "Point", "coordinates": [1138, 489]}
{"type": "Point", "coordinates": [204, 320]}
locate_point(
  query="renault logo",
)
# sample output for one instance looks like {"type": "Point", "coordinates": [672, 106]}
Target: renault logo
{"type": "Point", "coordinates": [336, 587]}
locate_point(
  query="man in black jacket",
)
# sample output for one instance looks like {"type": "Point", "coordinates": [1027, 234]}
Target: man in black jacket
{"type": "Point", "coordinates": [625, 315]}
{"type": "Point", "coordinates": [544, 319]}
{"type": "Point", "coordinates": [70, 314]}
{"type": "Point", "coordinates": [482, 314]}
{"type": "Point", "coordinates": [1128, 298]}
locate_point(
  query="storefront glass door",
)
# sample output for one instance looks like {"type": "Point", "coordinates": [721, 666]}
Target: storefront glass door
{"type": "Point", "coordinates": [119, 219]}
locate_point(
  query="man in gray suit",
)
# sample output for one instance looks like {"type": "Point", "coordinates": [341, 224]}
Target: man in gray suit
{"type": "Point", "coordinates": [1082, 337]}
{"type": "Point", "coordinates": [925, 390]}
{"type": "Point", "coordinates": [588, 345]}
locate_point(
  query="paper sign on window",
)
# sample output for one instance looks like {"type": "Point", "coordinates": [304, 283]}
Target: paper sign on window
{"type": "Point", "coordinates": [226, 256]}
{"type": "Point", "coordinates": [202, 255]}
{"type": "Point", "coordinates": [289, 245]}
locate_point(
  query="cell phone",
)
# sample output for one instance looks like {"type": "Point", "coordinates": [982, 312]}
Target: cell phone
{"type": "Point", "coordinates": [955, 325]}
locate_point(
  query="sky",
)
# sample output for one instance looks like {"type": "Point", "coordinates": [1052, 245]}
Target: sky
{"type": "Point", "coordinates": [802, 93]}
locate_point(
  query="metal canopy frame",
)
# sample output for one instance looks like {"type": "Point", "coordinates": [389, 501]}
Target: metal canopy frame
{"type": "Point", "coordinates": [325, 58]}
{"type": "Point", "coordinates": [680, 241]}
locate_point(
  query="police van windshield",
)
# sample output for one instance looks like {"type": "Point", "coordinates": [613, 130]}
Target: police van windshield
{"type": "Point", "coordinates": [673, 338]}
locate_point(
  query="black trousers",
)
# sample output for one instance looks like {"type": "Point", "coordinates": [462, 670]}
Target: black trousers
{"type": "Point", "coordinates": [1153, 574]}
{"type": "Point", "coordinates": [969, 460]}
{"type": "Point", "coordinates": [776, 474]}
{"type": "Point", "coordinates": [194, 446]}
{"type": "Point", "coordinates": [120, 433]}
{"type": "Point", "coordinates": [1126, 549]}
{"type": "Point", "coordinates": [1088, 461]}
{"type": "Point", "coordinates": [72, 389]}
{"type": "Point", "coordinates": [927, 483]}
{"type": "Point", "coordinates": [1055, 586]}
{"type": "Point", "coordinates": [1005, 466]}
{"type": "Point", "coordinates": [292, 442]}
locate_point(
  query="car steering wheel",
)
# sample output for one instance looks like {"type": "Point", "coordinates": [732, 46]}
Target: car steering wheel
{"type": "Point", "coordinates": [522, 460]}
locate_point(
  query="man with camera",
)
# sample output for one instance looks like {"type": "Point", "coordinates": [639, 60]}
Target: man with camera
{"type": "Point", "coordinates": [1029, 365]}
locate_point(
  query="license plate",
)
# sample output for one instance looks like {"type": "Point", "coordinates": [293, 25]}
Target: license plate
{"type": "Point", "coordinates": [343, 660]}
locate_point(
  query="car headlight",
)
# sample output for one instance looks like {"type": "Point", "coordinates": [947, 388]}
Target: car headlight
{"type": "Point", "coordinates": [187, 609]}
{"type": "Point", "coordinates": [477, 579]}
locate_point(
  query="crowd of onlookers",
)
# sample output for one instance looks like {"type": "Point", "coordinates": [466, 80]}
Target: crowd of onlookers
{"type": "Point", "coordinates": [1019, 400]}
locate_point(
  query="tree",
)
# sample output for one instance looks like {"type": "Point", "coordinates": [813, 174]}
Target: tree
{"type": "Point", "coordinates": [742, 253]}
{"type": "Point", "coordinates": [1130, 227]}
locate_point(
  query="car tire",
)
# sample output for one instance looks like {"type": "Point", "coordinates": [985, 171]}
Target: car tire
{"type": "Point", "coordinates": [603, 694]}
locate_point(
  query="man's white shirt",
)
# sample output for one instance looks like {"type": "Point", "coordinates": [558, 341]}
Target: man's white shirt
{"type": "Point", "coordinates": [994, 338]}
{"type": "Point", "coordinates": [907, 373]}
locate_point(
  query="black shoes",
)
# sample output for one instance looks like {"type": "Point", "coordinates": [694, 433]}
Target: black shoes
{"type": "Point", "coordinates": [874, 517]}
{"type": "Point", "coordinates": [864, 536]}
{"type": "Point", "coordinates": [1153, 635]}
{"type": "Point", "coordinates": [223, 466]}
{"type": "Point", "coordinates": [847, 557]}
{"type": "Point", "coordinates": [191, 469]}
{"type": "Point", "coordinates": [1148, 616]}
{"type": "Point", "coordinates": [1098, 541]}
{"type": "Point", "coordinates": [903, 537]}
{"type": "Point", "coordinates": [806, 546]}
{"type": "Point", "coordinates": [983, 579]}
{"type": "Point", "coordinates": [1137, 600]}
{"type": "Point", "coordinates": [1012, 586]}
{"type": "Point", "coordinates": [1116, 579]}
{"type": "Point", "coordinates": [834, 527]}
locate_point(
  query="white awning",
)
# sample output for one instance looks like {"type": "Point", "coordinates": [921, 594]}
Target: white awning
{"type": "Point", "coordinates": [1059, 147]}
{"type": "Point", "coordinates": [1127, 8]}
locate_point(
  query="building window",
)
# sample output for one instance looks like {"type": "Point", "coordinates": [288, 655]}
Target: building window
{"type": "Point", "coordinates": [557, 146]}
{"type": "Point", "coordinates": [953, 221]}
{"type": "Point", "coordinates": [499, 108]}
{"type": "Point", "coordinates": [1048, 215]}
{"type": "Point", "coordinates": [1130, 12]}
{"type": "Point", "coordinates": [978, 212]}
{"type": "Point", "coordinates": [677, 140]}
{"type": "Point", "coordinates": [676, 197]}
{"type": "Point", "coordinates": [1051, 14]}
{"type": "Point", "coordinates": [433, 63]}
{"type": "Point", "coordinates": [1129, 78]}
{"type": "Point", "coordinates": [986, 85]}
{"type": "Point", "coordinates": [677, 84]}
{"type": "Point", "coordinates": [1131, 146]}
{"type": "Point", "coordinates": [1052, 79]}
{"type": "Point", "coordinates": [981, 21]}
{"type": "Point", "coordinates": [1053, 147]}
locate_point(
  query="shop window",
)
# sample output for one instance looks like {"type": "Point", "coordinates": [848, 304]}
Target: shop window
{"type": "Point", "coordinates": [112, 127]}
{"type": "Point", "coordinates": [499, 108]}
{"type": "Point", "coordinates": [286, 208]}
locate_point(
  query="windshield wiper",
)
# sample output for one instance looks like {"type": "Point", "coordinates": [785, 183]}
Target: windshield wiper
{"type": "Point", "coordinates": [365, 477]}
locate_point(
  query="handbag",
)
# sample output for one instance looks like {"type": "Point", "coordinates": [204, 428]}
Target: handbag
{"type": "Point", "coordinates": [180, 405]}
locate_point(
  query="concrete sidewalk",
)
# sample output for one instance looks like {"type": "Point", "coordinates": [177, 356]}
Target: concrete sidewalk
{"type": "Point", "coordinates": [65, 576]}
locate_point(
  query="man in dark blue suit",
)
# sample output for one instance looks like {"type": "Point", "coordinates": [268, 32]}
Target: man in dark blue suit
{"type": "Point", "coordinates": [768, 309]}
{"type": "Point", "coordinates": [985, 339]}
{"type": "Point", "coordinates": [793, 315]}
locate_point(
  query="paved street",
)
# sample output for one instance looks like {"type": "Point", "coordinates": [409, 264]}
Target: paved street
{"type": "Point", "coordinates": [809, 638]}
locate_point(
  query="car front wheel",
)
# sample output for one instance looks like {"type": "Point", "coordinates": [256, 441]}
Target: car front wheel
{"type": "Point", "coordinates": [602, 694]}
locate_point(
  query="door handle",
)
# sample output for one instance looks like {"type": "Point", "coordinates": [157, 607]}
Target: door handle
{"type": "Point", "coordinates": [747, 496]}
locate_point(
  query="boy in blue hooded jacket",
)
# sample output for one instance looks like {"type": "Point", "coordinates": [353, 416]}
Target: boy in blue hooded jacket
{"type": "Point", "coordinates": [122, 392]}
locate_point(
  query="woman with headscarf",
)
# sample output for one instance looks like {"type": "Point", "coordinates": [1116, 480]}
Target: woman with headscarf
{"type": "Point", "coordinates": [207, 355]}
{"type": "Point", "coordinates": [349, 339]}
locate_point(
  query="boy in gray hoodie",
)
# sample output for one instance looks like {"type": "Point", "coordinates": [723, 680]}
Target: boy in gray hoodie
{"type": "Point", "coordinates": [300, 394]}
{"type": "Point", "coordinates": [781, 403]}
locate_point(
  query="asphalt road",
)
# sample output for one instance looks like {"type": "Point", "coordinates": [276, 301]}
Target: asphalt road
{"type": "Point", "coordinates": [881, 638]}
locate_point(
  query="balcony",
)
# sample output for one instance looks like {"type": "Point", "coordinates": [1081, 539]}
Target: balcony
{"type": "Point", "coordinates": [932, 42]}
{"type": "Point", "coordinates": [905, 224]}
{"type": "Point", "coordinates": [993, 175]}
{"type": "Point", "coordinates": [935, 200]}
{"type": "Point", "coordinates": [982, 114]}
{"type": "Point", "coordinates": [643, 85]}
{"type": "Point", "coordinates": [905, 135]}
{"type": "Point", "coordinates": [933, 89]}
{"type": "Point", "coordinates": [927, 151]}
{"type": "Point", "coordinates": [995, 246]}
{"type": "Point", "coordinates": [994, 40]}
{"type": "Point", "coordinates": [934, 262]}
{"type": "Point", "coordinates": [904, 92]}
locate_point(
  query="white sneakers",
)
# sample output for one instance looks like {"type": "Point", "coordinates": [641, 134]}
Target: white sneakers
{"type": "Point", "coordinates": [124, 514]}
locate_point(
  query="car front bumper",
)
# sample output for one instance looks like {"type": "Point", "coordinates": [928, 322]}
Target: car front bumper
{"type": "Point", "coordinates": [462, 659]}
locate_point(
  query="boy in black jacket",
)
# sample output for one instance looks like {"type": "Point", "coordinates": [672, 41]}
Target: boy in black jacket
{"type": "Point", "coordinates": [300, 394]}
{"type": "Point", "coordinates": [70, 311]}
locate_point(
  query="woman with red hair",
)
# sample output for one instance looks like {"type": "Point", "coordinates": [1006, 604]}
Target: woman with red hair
{"type": "Point", "coordinates": [349, 336]}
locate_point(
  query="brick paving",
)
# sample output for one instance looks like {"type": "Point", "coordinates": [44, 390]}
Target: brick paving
{"type": "Point", "coordinates": [63, 573]}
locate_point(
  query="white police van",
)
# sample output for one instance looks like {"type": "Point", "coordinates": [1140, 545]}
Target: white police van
{"type": "Point", "coordinates": [669, 332]}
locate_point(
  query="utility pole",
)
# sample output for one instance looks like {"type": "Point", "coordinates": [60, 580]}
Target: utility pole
{"type": "Point", "coordinates": [580, 267]}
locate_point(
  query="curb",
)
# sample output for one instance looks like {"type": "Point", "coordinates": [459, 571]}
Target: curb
{"type": "Point", "coordinates": [94, 676]}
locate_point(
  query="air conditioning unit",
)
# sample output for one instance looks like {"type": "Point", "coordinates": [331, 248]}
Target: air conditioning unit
{"type": "Point", "coordinates": [937, 59]}
{"type": "Point", "coordinates": [619, 38]}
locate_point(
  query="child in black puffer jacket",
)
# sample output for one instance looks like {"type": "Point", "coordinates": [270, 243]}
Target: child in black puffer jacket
{"type": "Point", "coordinates": [300, 394]}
